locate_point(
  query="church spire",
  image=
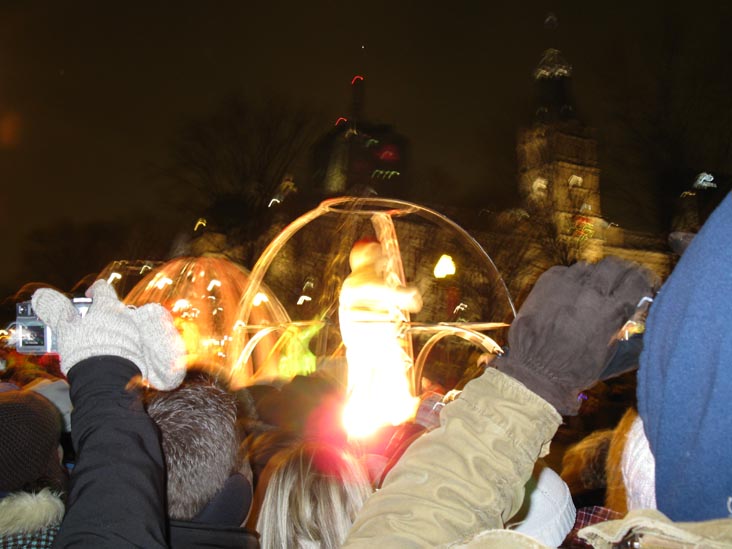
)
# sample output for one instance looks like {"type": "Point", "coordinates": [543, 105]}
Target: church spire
{"type": "Point", "coordinates": [552, 81]}
{"type": "Point", "coordinates": [357, 98]}
{"type": "Point", "coordinates": [552, 66]}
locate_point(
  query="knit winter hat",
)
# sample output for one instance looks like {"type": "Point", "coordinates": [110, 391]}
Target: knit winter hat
{"type": "Point", "coordinates": [30, 428]}
{"type": "Point", "coordinates": [639, 469]}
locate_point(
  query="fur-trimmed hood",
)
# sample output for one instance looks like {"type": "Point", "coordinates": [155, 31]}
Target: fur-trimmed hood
{"type": "Point", "coordinates": [26, 513]}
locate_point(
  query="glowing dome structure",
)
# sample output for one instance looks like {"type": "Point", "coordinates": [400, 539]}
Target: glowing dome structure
{"type": "Point", "coordinates": [203, 293]}
{"type": "Point", "coordinates": [122, 274]}
{"type": "Point", "coordinates": [458, 295]}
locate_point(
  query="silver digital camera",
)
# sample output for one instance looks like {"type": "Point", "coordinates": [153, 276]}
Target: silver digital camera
{"type": "Point", "coordinates": [32, 336]}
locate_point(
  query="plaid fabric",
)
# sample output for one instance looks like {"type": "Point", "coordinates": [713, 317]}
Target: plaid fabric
{"type": "Point", "coordinates": [587, 516]}
{"type": "Point", "coordinates": [37, 540]}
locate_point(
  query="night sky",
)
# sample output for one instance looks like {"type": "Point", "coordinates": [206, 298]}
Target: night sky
{"type": "Point", "coordinates": [92, 93]}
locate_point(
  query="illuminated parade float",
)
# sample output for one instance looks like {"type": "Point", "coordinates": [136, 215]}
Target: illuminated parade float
{"type": "Point", "coordinates": [366, 292]}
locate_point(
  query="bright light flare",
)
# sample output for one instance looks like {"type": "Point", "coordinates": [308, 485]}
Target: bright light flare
{"type": "Point", "coordinates": [378, 387]}
{"type": "Point", "coordinates": [160, 281]}
{"type": "Point", "coordinates": [371, 316]}
{"type": "Point", "coordinates": [445, 267]}
{"type": "Point", "coordinates": [259, 299]}
{"type": "Point", "coordinates": [113, 277]}
{"type": "Point", "coordinates": [181, 305]}
{"type": "Point", "coordinates": [211, 342]}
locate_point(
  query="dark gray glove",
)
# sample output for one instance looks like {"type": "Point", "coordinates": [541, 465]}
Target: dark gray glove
{"type": "Point", "coordinates": [561, 339]}
{"type": "Point", "coordinates": [146, 336]}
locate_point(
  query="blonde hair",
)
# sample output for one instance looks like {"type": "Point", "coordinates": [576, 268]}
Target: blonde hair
{"type": "Point", "coordinates": [313, 494]}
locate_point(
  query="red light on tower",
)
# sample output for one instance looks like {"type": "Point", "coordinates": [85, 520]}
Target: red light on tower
{"type": "Point", "coordinates": [388, 153]}
{"type": "Point", "coordinates": [356, 78]}
{"type": "Point", "coordinates": [340, 120]}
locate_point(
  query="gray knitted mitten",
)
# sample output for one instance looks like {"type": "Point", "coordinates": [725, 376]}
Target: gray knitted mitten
{"type": "Point", "coordinates": [145, 336]}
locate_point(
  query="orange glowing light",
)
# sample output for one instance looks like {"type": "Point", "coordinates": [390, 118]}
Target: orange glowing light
{"type": "Point", "coordinates": [10, 126]}
{"type": "Point", "coordinates": [181, 305]}
{"type": "Point", "coordinates": [202, 294]}
{"type": "Point", "coordinates": [340, 120]}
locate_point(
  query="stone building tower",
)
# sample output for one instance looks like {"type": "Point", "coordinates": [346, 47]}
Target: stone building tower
{"type": "Point", "coordinates": [559, 175]}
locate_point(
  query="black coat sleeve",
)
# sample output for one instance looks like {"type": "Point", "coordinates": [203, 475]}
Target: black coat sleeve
{"type": "Point", "coordinates": [117, 494]}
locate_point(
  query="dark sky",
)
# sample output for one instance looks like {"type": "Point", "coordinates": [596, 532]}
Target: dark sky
{"type": "Point", "coordinates": [91, 93]}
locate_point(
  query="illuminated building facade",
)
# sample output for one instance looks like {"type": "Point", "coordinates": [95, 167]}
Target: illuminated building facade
{"type": "Point", "coordinates": [557, 160]}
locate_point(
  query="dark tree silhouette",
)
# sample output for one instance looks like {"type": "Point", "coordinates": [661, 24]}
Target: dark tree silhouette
{"type": "Point", "coordinates": [65, 251]}
{"type": "Point", "coordinates": [232, 164]}
{"type": "Point", "coordinates": [669, 122]}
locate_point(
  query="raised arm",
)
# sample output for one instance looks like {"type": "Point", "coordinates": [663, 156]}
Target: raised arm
{"type": "Point", "coordinates": [467, 476]}
{"type": "Point", "coordinates": [117, 494]}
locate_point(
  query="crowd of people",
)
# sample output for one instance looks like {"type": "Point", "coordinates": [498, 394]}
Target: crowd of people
{"type": "Point", "coordinates": [161, 455]}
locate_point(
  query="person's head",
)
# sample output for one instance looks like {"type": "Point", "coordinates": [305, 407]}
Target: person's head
{"type": "Point", "coordinates": [197, 423]}
{"type": "Point", "coordinates": [25, 373]}
{"type": "Point", "coordinates": [30, 431]}
{"type": "Point", "coordinates": [313, 494]}
{"type": "Point", "coordinates": [366, 253]}
{"type": "Point", "coordinates": [260, 447]}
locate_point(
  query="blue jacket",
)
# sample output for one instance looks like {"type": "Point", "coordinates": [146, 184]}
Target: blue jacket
{"type": "Point", "coordinates": [685, 378]}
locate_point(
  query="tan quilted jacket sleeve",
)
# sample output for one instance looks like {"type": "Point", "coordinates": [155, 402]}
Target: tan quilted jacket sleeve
{"type": "Point", "coordinates": [464, 477]}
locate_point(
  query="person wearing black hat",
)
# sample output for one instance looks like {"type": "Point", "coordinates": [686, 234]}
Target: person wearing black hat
{"type": "Point", "coordinates": [32, 479]}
